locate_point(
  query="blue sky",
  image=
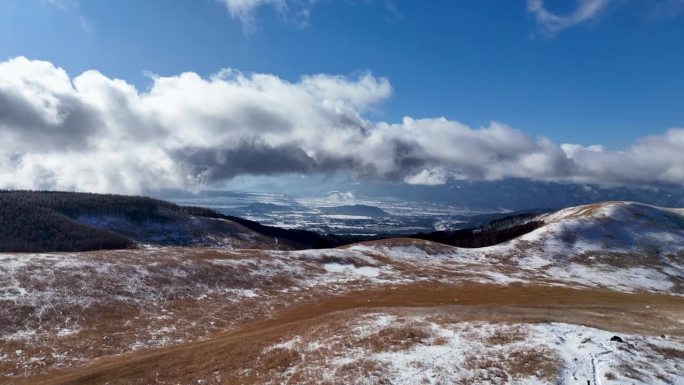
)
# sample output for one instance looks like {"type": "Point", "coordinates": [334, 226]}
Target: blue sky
{"type": "Point", "coordinates": [413, 92]}
{"type": "Point", "coordinates": [609, 79]}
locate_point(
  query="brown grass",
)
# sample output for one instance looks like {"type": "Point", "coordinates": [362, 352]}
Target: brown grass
{"type": "Point", "coordinates": [507, 335]}
{"type": "Point", "coordinates": [630, 372]}
{"type": "Point", "coordinates": [235, 357]}
{"type": "Point", "coordinates": [620, 260]}
{"type": "Point", "coordinates": [429, 247]}
{"type": "Point", "coordinates": [439, 341]}
{"type": "Point", "coordinates": [363, 368]}
{"type": "Point", "coordinates": [488, 369]}
{"type": "Point", "coordinates": [397, 338]}
{"type": "Point", "coordinates": [669, 353]}
{"type": "Point", "coordinates": [279, 359]}
{"type": "Point", "coordinates": [542, 363]}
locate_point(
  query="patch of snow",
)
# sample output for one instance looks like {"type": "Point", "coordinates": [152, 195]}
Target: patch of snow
{"type": "Point", "coordinates": [466, 355]}
{"type": "Point", "coordinates": [67, 332]}
{"type": "Point", "coordinates": [289, 344]}
{"type": "Point", "coordinates": [589, 354]}
{"type": "Point", "coordinates": [20, 335]}
{"type": "Point", "coordinates": [364, 271]}
{"type": "Point", "coordinates": [626, 279]}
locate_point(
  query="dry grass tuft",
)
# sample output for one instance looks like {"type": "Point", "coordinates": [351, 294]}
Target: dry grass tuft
{"type": "Point", "coordinates": [507, 335]}
{"type": "Point", "coordinates": [363, 368]}
{"type": "Point", "coordinates": [630, 372]}
{"type": "Point", "coordinates": [669, 353]}
{"type": "Point", "coordinates": [279, 359]}
{"type": "Point", "coordinates": [542, 363]}
{"type": "Point", "coordinates": [487, 369]}
{"type": "Point", "coordinates": [397, 338]}
{"type": "Point", "coordinates": [439, 341]}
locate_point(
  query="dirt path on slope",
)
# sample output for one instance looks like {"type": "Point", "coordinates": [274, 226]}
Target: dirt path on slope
{"type": "Point", "coordinates": [242, 347]}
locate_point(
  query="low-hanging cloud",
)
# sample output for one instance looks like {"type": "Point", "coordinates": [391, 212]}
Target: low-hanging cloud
{"type": "Point", "coordinates": [94, 133]}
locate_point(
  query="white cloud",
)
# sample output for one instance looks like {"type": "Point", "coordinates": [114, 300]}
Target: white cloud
{"type": "Point", "coordinates": [552, 22]}
{"type": "Point", "coordinates": [296, 11]}
{"type": "Point", "coordinates": [100, 134]}
{"type": "Point", "coordinates": [427, 178]}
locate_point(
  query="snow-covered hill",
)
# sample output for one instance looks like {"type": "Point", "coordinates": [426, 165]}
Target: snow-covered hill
{"type": "Point", "coordinates": [66, 309]}
{"type": "Point", "coordinates": [613, 244]}
{"type": "Point", "coordinates": [620, 227]}
{"type": "Point", "coordinates": [617, 245]}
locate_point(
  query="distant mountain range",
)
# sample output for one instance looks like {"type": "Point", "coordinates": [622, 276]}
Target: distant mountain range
{"type": "Point", "coordinates": [381, 209]}
{"type": "Point", "coordinates": [520, 194]}
{"type": "Point", "coordinates": [503, 195]}
{"type": "Point", "coordinates": [62, 221]}
{"type": "Point", "coordinates": [65, 221]}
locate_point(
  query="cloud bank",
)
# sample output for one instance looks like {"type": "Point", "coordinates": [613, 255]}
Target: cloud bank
{"type": "Point", "coordinates": [94, 133]}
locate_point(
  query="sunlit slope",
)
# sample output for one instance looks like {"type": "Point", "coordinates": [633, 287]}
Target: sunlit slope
{"type": "Point", "coordinates": [583, 266]}
{"type": "Point", "coordinates": [617, 245]}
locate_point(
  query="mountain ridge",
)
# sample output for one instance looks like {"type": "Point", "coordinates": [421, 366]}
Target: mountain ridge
{"type": "Point", "coordinates": [62, 221]}
{"type": "Point", "coordinates": [42, 221]}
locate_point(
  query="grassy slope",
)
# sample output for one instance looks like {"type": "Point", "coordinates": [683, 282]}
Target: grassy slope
{"type": "Point", "coordinates": [242, 347]}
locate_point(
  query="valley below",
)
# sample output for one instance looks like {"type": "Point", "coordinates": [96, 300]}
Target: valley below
{"type": "Point", "coordinates": [594, 295]}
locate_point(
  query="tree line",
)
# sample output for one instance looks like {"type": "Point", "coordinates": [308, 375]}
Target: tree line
{"type": "Point", "coordinates": [41, 221]}
{"type": "Point", "coordinates": [495, 232]}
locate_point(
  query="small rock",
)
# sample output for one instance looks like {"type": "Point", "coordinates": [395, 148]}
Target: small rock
{"type": "Point", "coordinates": [616, 339]}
